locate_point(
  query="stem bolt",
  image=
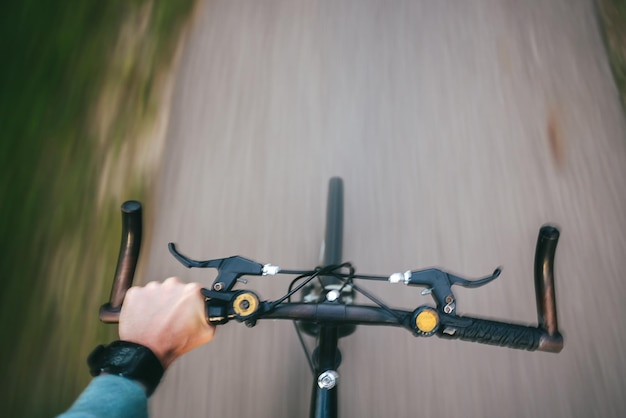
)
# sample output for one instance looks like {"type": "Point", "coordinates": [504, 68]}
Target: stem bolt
{"type": "Point", "coordinates": [328, 379]}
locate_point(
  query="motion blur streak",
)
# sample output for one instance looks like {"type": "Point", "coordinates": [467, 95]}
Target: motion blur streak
{"type": "Point", "coordinates": [459, 129]}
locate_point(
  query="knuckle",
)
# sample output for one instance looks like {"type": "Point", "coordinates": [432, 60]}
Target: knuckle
{"type": "Point", "coordinates": [193, 287]}
{"type": "Point", "coordinates": [171, 281]}
{"type": "Point", "coordinates": [152, 285]}
{"type": "Point", "coordinates": [131, 292]}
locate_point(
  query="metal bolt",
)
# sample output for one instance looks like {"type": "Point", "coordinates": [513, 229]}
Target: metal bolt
{"type": "Point", "coordinates": [244, 304]}
{"type": "Point", "coordinates": [218, 286]}
{"type": "Point", "coordinates": [449, 299]}
{"type": "Point", "coordinates": [332, 296]}
{"type": "Point", "coordinates": [328, 379]}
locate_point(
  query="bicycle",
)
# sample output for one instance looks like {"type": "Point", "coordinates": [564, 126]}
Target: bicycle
{"type": "Point", "coordinates": [327, 309]}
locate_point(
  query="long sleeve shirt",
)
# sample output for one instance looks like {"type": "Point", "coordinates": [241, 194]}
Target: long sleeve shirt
{"type": "Point", "coordinates": [110, 396]}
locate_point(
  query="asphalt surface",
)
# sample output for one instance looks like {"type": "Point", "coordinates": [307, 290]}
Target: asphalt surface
{"type": "Point", "coordinates": [459, 129]}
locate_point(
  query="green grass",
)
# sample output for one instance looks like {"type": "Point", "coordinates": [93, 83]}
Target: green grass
{"type": "Point", "coordinates": [612, 15]}
{"type": "Point", "coordinates": [80, 86]}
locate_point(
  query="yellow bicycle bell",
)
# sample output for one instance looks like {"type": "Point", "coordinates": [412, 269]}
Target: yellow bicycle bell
{"type": "Point", "coordinates": [426, 320]}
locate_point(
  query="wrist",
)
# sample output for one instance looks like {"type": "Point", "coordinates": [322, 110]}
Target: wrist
{"type": "Point", "coordinates": [127, 359]}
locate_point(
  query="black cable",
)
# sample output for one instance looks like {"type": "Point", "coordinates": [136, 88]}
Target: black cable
{"type": "Point", "coordinates": [299, 272]}
{"type": "Point", "coordinates": [357, 276]}
{"type": "Point", "coordinates": [347, 279]}
{"type": "Point", "coordinates": [306, 351]}
{"type": "Point", "coordinates": [291, 292]}
{"type": "Point", "coordinates": [377, 302]}
{"type": "Point", "coordinates": [370, 277]}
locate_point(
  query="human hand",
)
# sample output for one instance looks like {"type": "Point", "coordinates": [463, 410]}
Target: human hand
{"type": "Point", "coordinates": [167, 317]}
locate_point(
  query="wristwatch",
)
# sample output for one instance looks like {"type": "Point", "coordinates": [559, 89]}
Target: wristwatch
{"type": "Point", "coordinates": [127, 359]}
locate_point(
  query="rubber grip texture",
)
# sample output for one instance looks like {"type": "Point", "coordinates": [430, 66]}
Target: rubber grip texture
{"type": "Point", "coordinates": [490, 332]}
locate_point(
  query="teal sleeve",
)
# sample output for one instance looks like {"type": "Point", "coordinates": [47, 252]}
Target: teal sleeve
{"type": "Point", "coordinates": [110, 396]}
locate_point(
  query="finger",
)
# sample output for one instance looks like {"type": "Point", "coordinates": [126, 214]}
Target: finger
{"type": "Point", "coordinates": [152, 284]}
{"type": "Point", "coordinates": [171, 281]}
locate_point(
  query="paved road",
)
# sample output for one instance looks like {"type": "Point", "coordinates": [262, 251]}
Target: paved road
{"type": "Point", "coordinates": [459, 129]}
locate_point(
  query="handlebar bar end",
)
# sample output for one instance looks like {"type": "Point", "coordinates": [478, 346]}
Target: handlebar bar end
{"type": "Point", "coordinates": [544, 284]}
{"type": "Point", "coordinates": [551, 343]}
{"type": "Point", "coordinates": [109, 314]}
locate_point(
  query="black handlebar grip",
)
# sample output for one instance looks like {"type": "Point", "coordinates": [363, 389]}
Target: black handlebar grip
{"type": "Point", "coordinates": [126, 261]}
{"type": "Point", "coordinates": [490, 332]}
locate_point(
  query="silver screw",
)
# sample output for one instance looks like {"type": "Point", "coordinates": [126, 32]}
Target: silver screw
{"type": "Point", "coordinates": [449, 308]}
{"type": "Point", "coordinates": [332, 296]}
{"type": "Point", "coordinates": [218, 286]}
{"type": "Point", "coordinates": [328, 379]}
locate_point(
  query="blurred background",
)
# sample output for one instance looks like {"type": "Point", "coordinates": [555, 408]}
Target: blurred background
{"type": "Point", "coordinates": [84, 97]}
{"type": "Point", "coordinates": [459, 127]}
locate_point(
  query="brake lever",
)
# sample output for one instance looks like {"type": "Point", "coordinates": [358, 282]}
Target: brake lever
{"type": "Point", "coordinates": [476, 282]}
{"type": "Point", "coordinates": [229, 270]}
{"type": "Point", "coordinates": [189, 263]}
{"type": "Point", "coordinates": [440, 283]}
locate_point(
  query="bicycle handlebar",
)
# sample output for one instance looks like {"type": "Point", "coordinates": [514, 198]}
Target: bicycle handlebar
{"type": "Point", "coordinates": [223, 304]}
{"type": "Point", "coordinates": [451, 326]}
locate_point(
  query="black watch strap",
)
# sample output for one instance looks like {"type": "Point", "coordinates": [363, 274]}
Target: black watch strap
{"type": "Point", "coordinates": [127, 359]}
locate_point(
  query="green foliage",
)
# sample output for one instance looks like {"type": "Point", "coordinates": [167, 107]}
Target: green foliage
{"type": "Point", "coordinates": [612, 14]}
{"type": "Point", "coordinates": [58, 244]}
